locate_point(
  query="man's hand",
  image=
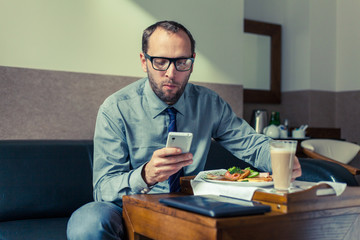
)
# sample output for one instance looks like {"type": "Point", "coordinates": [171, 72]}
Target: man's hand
{"type": "Point", "coordinates": [296, 169]}
{"type": "Point", "coordinates": [164, 163]}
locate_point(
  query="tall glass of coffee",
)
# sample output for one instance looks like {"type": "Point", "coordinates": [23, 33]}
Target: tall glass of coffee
{"type": "Point", "coordinates": [282, 160]}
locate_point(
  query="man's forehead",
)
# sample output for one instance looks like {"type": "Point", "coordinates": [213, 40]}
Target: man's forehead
{"type": "Point", "coordinates": [162, 32]}
{"type": "Point", "coordinates": [161, 29]}
{"type": "Point", "coordinates": [162, 36]}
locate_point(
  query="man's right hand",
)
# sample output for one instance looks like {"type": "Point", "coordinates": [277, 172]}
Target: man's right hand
{"type": "Point", "coordinates": [164, 163]}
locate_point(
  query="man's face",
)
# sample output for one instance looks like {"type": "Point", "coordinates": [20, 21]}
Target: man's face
{"type": "Point", "coordinates": [170, 84]}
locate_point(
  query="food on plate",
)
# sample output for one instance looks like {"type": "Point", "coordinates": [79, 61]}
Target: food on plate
{"type": "Point", "coordinates": [236, 173]}
{"type": "Point", "coordinates": [241, 175]}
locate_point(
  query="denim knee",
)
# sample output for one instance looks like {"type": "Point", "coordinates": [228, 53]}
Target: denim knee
{"type": "Point", "coordinates": [96, 220]}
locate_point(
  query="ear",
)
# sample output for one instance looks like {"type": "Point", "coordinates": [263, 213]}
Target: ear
{"type": "Point", "coordinates": [143, 62]}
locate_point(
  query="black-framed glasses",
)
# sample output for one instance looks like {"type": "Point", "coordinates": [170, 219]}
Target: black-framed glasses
{"type": "Point", "coordinates": [163, 63]}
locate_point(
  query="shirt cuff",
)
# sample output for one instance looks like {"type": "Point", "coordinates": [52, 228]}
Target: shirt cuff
{"type": "Point", "coordinates": [137, 183]}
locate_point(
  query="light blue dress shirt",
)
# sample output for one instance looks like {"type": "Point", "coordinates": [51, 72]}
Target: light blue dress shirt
{"type": "Point", "coordinates": [132, 124]}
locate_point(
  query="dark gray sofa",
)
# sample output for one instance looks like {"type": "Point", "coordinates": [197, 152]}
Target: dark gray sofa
{"type": "Point", "coordinates": [43, 182]}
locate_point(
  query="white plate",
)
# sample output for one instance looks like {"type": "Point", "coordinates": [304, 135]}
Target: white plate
{"type": "Point", "coordinates": [234, 183]}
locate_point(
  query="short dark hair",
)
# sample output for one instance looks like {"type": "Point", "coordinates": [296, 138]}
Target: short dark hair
{"type": "Point", "coordinates": [170, 26]}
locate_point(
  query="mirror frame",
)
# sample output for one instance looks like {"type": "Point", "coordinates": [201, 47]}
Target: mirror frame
{"type": "Point", "coordinates": [274, 32]}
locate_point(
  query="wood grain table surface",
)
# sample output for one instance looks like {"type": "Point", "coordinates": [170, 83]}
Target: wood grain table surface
{"type": "Point", "coordinates": [301, 215]}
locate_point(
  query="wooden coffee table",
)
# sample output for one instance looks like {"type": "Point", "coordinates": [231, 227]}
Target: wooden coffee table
{"type": "Point", "coordinates": [300, 215]}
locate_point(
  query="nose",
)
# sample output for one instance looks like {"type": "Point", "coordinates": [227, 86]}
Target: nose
{"type": "Point", "coordinates": [171, 71]}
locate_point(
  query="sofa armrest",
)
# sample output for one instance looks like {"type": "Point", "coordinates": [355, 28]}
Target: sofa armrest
{"type": "Point", "coordinates": [312, 154]}
{"type": "Point", "coordinates": [315, 170]}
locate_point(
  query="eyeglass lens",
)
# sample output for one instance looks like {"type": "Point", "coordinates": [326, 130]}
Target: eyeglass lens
{"type": "Point", "coordinates": [162, 64]}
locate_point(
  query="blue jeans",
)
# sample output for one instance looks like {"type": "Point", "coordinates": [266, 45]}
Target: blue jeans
{"type": "Point", "coordinates": [96, 220]}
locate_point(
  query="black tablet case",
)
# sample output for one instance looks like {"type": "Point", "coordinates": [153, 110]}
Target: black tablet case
{"type": "Point", "coordinates": [216, 206]}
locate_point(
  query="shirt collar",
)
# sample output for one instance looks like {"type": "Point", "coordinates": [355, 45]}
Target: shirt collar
{"type": "Point", "coordinates": [180, 104]}
{"type": "Point", "coordinates": [157, 106]}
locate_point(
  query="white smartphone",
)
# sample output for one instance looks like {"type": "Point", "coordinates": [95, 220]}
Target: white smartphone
{"type": "Point", "coordinates": [180, 140]}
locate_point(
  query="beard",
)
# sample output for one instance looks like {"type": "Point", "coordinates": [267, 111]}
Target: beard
{"type": "Point", "coordinates": [166, 96]}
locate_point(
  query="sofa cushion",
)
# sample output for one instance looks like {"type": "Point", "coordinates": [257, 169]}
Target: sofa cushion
{"type": "Point", "coordinates": [34, 229]}
{"type": "Point", "coordinates": [44, 178]}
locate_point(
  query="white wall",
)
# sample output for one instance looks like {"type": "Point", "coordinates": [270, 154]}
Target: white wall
{"type": "Point", "coordinates": [348, 45]}
{"type": "Point", "coordinates": [322, 31]}
{"type": "Point", "coordinates": [320, 41]}
{"type": "Point", "coordinates": [80, 35]}
{"type": "Point", "coordinates": [105, 36]}
{"type": "Point", "coordinates": [296, 46]}
{"type": "Point", "coordinates": [320, 38]}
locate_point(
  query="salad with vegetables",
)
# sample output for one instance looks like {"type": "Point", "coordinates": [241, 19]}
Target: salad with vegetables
{"type": "Point", "coordinates": [236, 173]}
{"type": "Point", "coordinates": [242, 175]}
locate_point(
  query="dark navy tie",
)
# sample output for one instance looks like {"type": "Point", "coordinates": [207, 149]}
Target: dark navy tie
{"type": "Point", "coordinates": [172, 122]}
{"type": "Point", "coordinates": [174, 180]}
